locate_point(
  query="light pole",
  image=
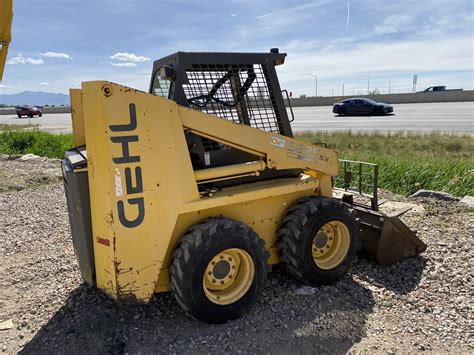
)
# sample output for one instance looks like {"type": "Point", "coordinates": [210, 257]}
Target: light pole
{"type": "Point", "coordinates": [316, 83]}
{"type": "Point", "coordinates": [389, 86]}
{"type": "Point", "coordinates": [368, 83]}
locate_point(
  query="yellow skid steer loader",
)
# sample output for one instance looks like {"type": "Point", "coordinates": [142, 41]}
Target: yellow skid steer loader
{"type": "Point", "coordinates": [198, 187]}
{"type": "Point", "coordinates": [6, 17]}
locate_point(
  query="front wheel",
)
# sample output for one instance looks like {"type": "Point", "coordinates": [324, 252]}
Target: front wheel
{"type": "Point", "coordinates": [219, 270]}
{"type": "Point", "coordinates": [342, 112]}
{"type": "Point", "coordinates": [19, 116]}
{"type": "Point", "coordinates": [378, 111]}
{"type": "Point", "coordinates": [319, 239]}
{"type": "Point", "coordinates": [40, 115]}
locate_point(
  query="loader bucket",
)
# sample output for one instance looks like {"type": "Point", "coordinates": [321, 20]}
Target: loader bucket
{"type": "Point", "coordinates": [385, 237]}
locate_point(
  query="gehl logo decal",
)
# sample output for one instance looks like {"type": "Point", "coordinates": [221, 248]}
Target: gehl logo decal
{"type": "Point", "coordinates": [126, 158]}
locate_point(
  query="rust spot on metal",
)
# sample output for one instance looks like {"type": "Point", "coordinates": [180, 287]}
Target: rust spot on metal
{"type": "Point", "coordinates": [145, 267]}
{"type": "Point", "coordinates": [103, 241]}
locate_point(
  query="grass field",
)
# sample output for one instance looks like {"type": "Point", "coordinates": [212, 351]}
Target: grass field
{"type": "Point", "coordinates": [407, 162]}
{"type": "Point", "coordinates": [34, 141]}
{"type": "Point", "coordinates": [10, 127]}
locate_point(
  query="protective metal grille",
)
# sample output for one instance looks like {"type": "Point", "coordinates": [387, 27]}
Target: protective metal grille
{"type": "Point", "coordinates": [238, 93]}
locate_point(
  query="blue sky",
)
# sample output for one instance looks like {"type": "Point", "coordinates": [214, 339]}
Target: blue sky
{"type": "Point", "coordinates": [59, 43]}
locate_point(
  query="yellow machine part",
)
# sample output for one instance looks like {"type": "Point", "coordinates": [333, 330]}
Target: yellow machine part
{"type": "Point", "coordinates": [144, 192]}
{"type": "Point", "coordinates": [6, 18]}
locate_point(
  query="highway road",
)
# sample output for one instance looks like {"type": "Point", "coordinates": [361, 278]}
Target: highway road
{"type": "Point", "coordinates": [453, 117]}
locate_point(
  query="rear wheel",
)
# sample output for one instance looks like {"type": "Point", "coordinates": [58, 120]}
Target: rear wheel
{"type": "Point", "coordinates": [19, 116]}
{"type": "Point", "coordinates": [219, 270]}
{"type": "Point", "coordinates": [319, 239]}
{"type": "Point", "coordinates": [342, 112]}
{"type": "Point", "coordinates": [40, 115]}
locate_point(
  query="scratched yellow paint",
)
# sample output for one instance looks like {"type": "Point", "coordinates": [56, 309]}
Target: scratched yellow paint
{"type": "Point", "coordinates": [143, 191]}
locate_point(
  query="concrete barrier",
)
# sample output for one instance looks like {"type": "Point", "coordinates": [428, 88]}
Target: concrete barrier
{"type": "Point", "coordinates": [419, 97]}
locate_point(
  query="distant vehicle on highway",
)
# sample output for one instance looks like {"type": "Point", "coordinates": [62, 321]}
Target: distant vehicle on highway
{"type": "Point", "coordinates": [361, 107]}
{"type": "Point", "coordinates": [28, 111]}
{"type": "Point", "coordinates": [439, 88]}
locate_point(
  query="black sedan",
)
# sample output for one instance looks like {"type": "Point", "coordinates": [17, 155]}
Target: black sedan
{"type": "Point", "coordinates": [361, 107]}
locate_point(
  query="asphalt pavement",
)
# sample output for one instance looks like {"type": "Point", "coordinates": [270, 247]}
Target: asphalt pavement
{"type": "Point", "coordinates": [453, 117]}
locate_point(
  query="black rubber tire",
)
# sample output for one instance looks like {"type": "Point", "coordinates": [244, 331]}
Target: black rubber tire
{"type": "Point", "coordinates": [378, 111]}
{"type": "Point", "coordinates": [19, 116]}
{"type": "Point", "coordinates": [297, 232]}
{"type": "Point", "coordinates": [190, 260]}
{"type": "Point", "coordinates": [30, 115]}
{"type": "Point", "coordinates": [40, 115]}
{"type": "Point", "coordinates": [342, 112]}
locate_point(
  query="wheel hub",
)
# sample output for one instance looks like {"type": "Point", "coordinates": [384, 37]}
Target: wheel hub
{"type": "Point", "coordinates": [321, 240]}
{"type": "Point", "coordinates": [330, 245]}
{"type": "Point", "coordinates": [221, 269]}
{"type": "Point", "coordinates": [228, 276]}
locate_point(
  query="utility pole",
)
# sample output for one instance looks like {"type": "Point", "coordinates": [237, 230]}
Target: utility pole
{"type": "Point", "coordinates": [342, 89]}
{"type": "Point", "coordinates": [415, 81]}
{"type": "Point", "coordinates": [368, 83]}
{"type": "Point", "coordinates": [389, 86]}
{"type": "Point", "coordinates": [316, 83]}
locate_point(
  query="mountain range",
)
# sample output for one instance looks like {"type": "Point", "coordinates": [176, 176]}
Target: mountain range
{"type": "Point", "coordinates": [34, 98]}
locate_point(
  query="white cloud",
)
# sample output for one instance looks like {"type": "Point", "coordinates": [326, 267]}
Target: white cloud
{"type": "Point", "coordinates": [19, 59]}
{"type": "Point", "coordinates": [56, 55]}
{"type": "Point", "coordinates": [394, 24]}
{"type": "Point", "coordinates": [5, 86]}
{"type": "Point", "coordinates": [270, 24]}
{"type": "Point", "coordinates": [129, 57]}
{"type": "Point", "coordinates": [45, 84]}
{"type": "Point", "coordinates": [377, 59]}
{"type": "Point", "coordinates": [126, 65]}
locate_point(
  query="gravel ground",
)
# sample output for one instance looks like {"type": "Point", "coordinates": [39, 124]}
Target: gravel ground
{"type": "Point", "coordinates": [421, 304]}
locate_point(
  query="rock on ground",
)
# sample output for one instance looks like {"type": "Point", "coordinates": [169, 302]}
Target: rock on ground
{"type": "Point", "coordinates": [468, 200]}
{"type": "Point", "coordinates": [420, 304]}
{"type": "Point", "coordinates": [437, 195]}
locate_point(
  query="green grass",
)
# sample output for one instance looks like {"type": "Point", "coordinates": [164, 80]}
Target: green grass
{"type": "Point", "coordinates": [409, 162]}
{"type": "Point", "coordinates": [9, 127]}
{"type": "Point", "coordinates": [34, 141]}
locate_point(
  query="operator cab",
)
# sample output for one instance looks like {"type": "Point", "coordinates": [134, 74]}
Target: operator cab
{"type": "Point", "coordinates": [239, 87]}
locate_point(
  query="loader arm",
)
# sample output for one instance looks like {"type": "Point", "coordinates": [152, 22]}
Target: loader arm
{"type": "Point", "coordinates": [277, 151]}
{"type": "Point", "coordinates": [6, 17]}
